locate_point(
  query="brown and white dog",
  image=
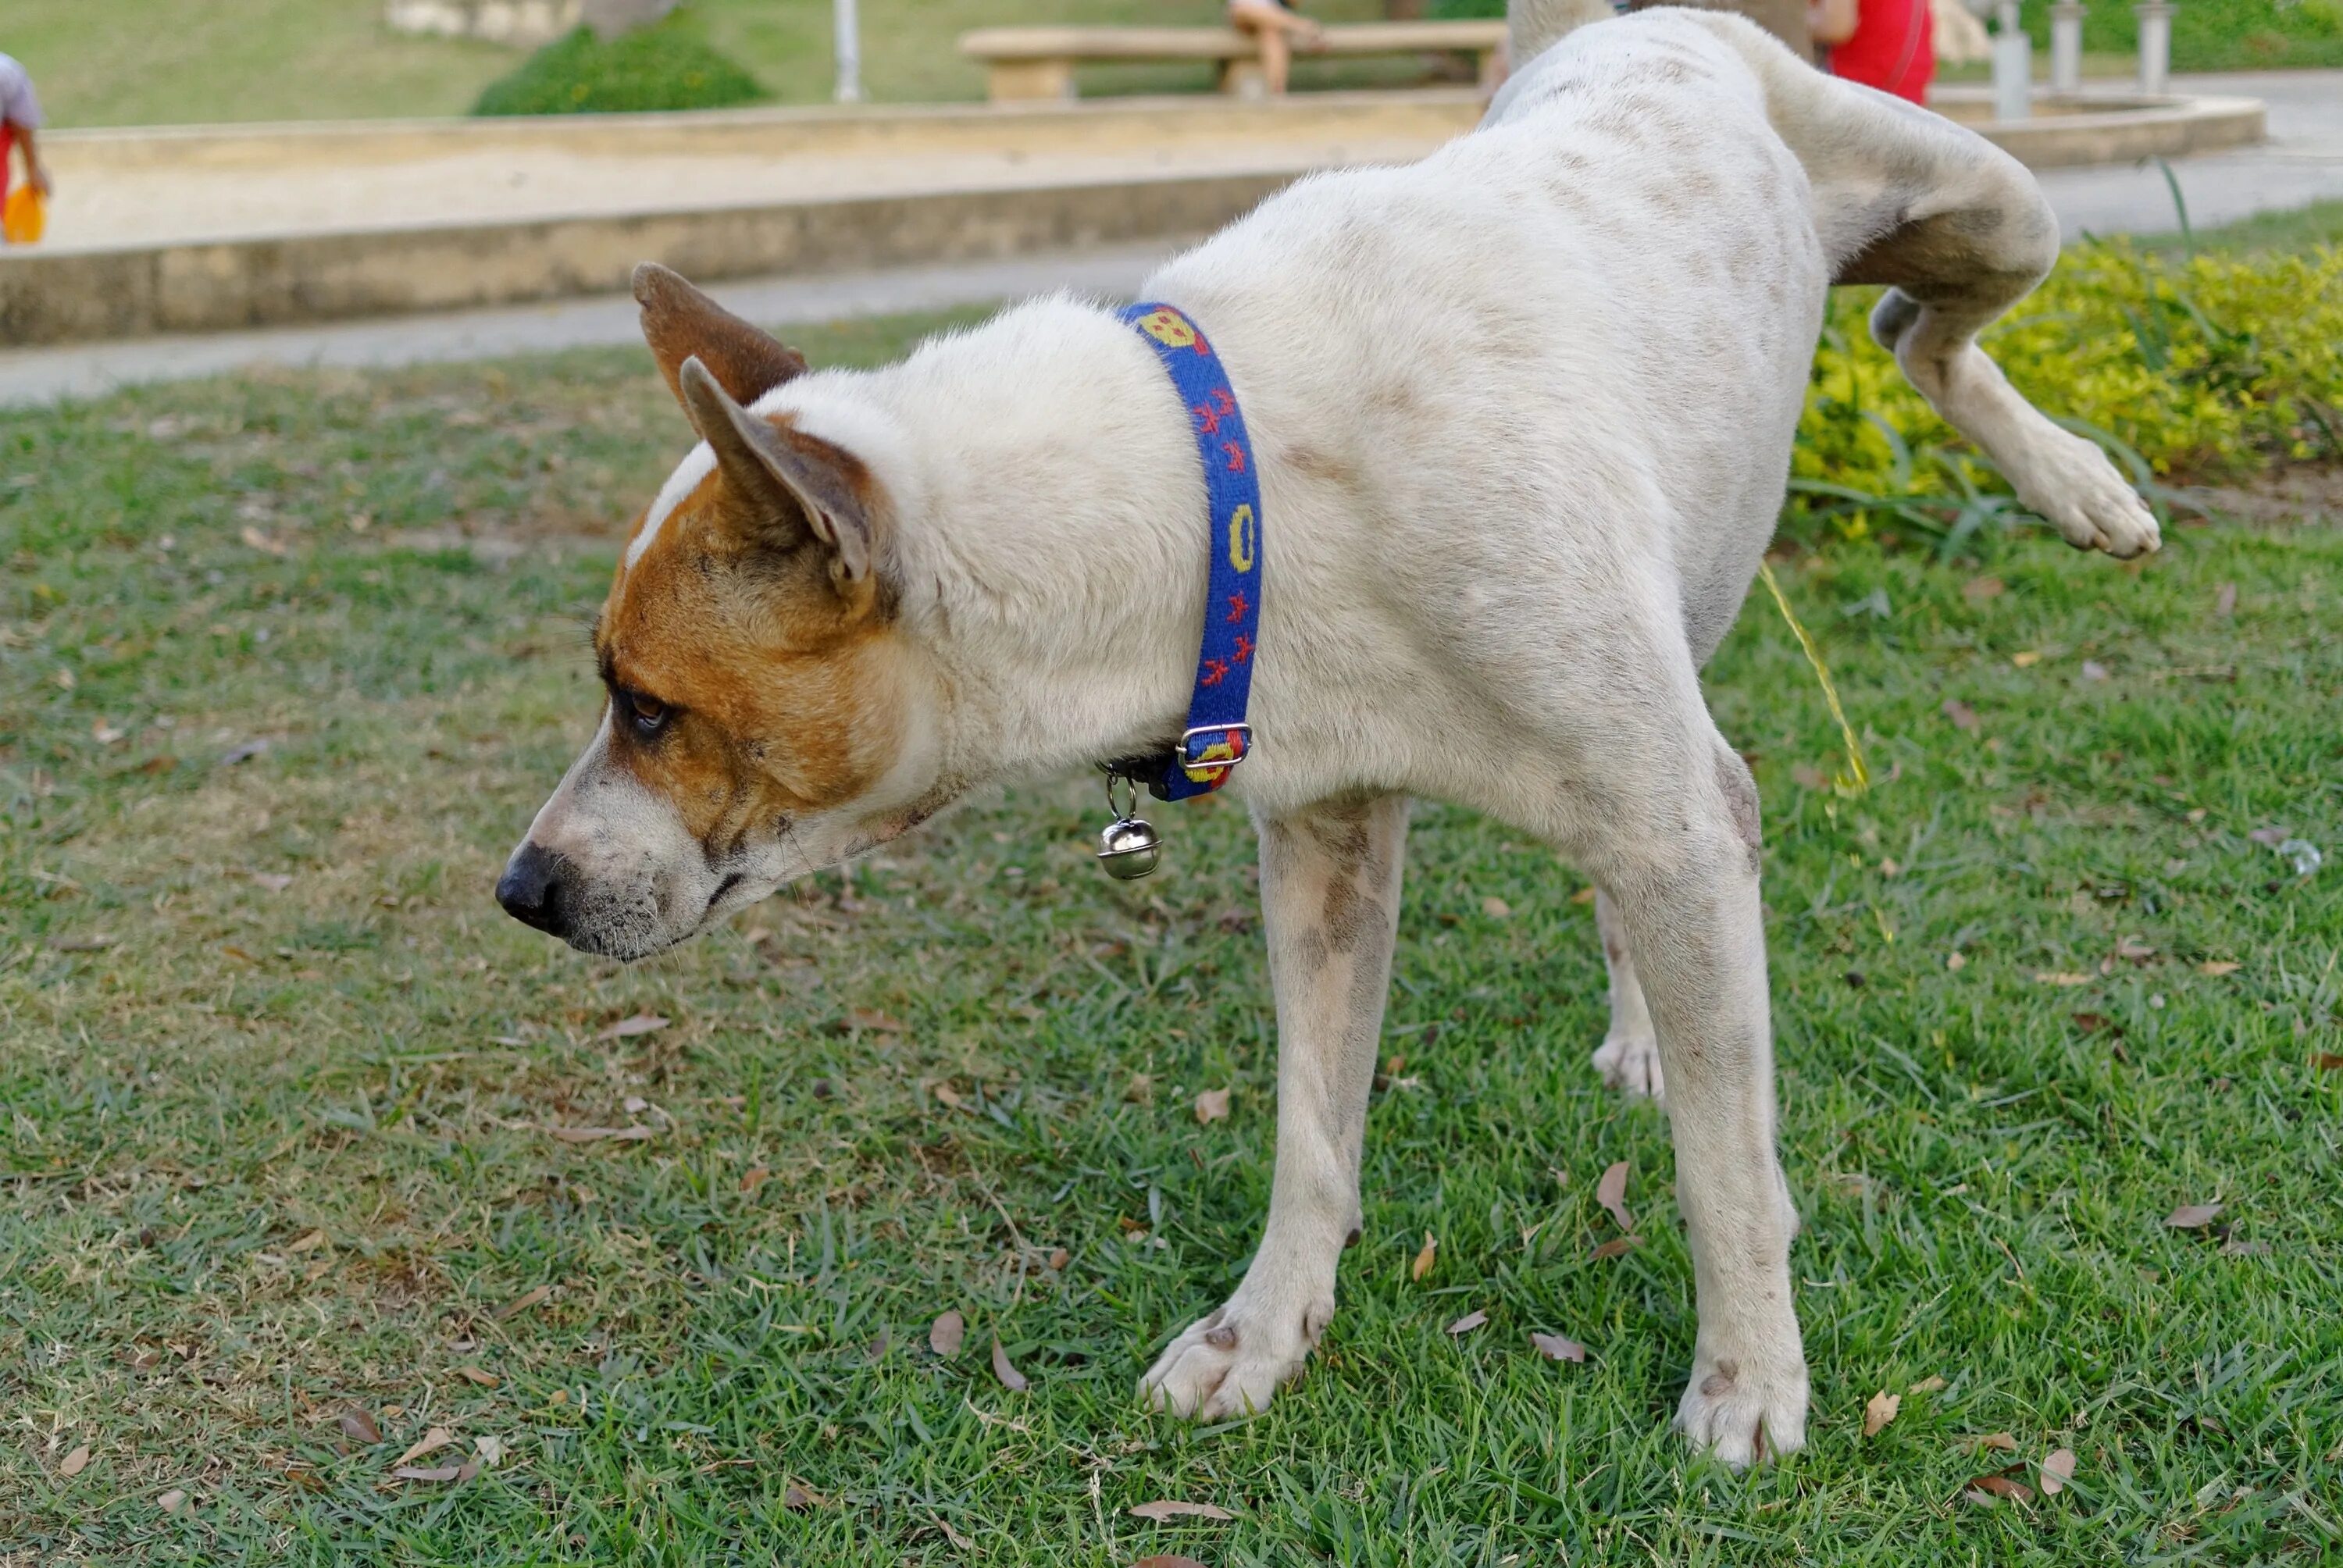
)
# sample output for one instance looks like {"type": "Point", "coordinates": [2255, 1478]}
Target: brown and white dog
{"type": "Point", "coordinates": [1523, 414]}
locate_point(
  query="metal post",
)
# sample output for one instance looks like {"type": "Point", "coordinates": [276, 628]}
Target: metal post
{"type": "Point", "coordinates": [849, 52]}
{"type": "Point", "coordinates": [2012, 66]}
{"type": "Point", "coordinates": [2067, 47]}
{"type": "Point", "coordinates": [2154, 46]}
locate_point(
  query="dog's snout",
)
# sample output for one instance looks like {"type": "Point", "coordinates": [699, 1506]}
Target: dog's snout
{"type": "Point", "coordinates": [537, 890]}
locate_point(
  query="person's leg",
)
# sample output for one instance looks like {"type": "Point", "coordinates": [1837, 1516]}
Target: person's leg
{"type": "Point", "coordinates": [1267, 24]}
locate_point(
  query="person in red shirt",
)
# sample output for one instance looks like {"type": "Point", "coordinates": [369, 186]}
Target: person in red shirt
{"type": "Point", "coordinates": [1890, 45]}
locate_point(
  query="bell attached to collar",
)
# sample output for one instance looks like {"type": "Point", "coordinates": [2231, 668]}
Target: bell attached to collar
{"type": "Point", "coordinates": [1129, 848]}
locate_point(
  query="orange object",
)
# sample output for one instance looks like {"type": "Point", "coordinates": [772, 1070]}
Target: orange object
{"type": "Point", "coordinates": [24, 217]}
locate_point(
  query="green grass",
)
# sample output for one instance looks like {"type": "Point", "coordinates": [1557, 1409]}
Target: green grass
{"type": "Point", "coordinates": [2292, 229]}
{"type": "Point", "coordinates": [154, 62]}
{"type": "Point", "coordinates": [275, 1147]}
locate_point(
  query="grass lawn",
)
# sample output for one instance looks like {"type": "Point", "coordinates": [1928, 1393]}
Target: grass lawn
{"type": "Point", "coordinates": [156, 62]}
{"type": "Point", "coordinates": [287, 663]}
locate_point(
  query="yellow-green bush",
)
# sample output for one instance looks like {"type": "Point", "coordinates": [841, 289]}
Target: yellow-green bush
{"type": "Point", "coordinates": [2194, 369]}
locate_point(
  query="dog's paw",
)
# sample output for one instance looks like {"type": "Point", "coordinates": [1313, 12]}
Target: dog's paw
{"type": "Point", "coordinates": [1232, 1362]}
{"type": "Point", "coordinates": [1746, 1409]}
{"type": "Point", "coordinates": [2090, 503]}
{"type": "Point", "coordinates": [1630, 1063]}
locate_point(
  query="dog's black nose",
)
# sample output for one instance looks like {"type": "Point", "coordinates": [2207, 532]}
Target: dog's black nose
{"type": "Point", "coordinates": [534, 890]}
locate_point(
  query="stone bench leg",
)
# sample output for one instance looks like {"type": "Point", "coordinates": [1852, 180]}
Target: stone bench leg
{"type": "Point", "coordinates": [1027, 81]}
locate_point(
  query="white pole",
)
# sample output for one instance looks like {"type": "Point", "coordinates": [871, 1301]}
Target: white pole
{"type": "Point", "coordinates": [850, 53]}
{"type": "Point", "coordinates": [2154, 46]}
{"type": "Point", "coordinates": [2012, 66]}
{"type": "Point", "coordinates": [2067, 47]}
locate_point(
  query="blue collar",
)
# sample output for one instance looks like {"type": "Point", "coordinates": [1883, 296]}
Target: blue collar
{"type": "Point", "coordinates": [1217, 737]}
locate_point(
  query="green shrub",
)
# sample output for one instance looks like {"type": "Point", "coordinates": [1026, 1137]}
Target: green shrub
{"type": "Point", "coordinates": [2200, 368]}
{"type": "Point", "coordinates": [2215, 35]}
{"type": "Point", "coordinates": [667, 65]}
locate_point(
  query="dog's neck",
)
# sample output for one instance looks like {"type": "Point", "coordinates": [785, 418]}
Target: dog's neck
{"type": "Point", "coordinates": [1051, 542]}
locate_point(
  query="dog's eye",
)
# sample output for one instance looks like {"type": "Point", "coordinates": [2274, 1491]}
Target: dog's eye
{"type": "Point", "coordinates": [649, 715]}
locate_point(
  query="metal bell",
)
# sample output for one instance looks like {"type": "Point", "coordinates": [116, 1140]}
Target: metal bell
{"type": "Point", "coordinates": [1129, 848]}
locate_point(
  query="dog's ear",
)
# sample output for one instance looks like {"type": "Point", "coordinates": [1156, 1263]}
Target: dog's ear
{"type": "Point", "coordinates": [807, 487]}
{"type": "Point", "coordinates": [680, 323]}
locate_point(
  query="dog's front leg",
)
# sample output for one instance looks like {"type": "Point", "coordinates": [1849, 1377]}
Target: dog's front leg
{"type": "Point", "coordinates": [1329, 879]}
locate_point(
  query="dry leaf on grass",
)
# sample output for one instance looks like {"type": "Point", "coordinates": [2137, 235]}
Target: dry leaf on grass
{"type": "Point", "coordinates": [431, 1441]}
{"type": "Point", "coordinates": [522, 1303]}
{"type": "Point", "coordinates": [797, 1499]}
{"type": "Point", "coordinates": [1558, 1348]}
{"type": "Point", "coordinates": [305, 1242]}
{"type": "Point", "coordinates": [359, 1424]}
{"type": "Point", "coordinates": [1468, 1323]}
{"type": "Point", "coordinates": [1978, 590]}
{"type": "Point", "coordinates": [76, 1462]}
{"type": "Point", "coordinates": [1999, 1441]}
{"type": "Point", "coordinates": [1611, 1192]}
{"type": "Point", "coordinates": [2193, 1216]}
{"type": "Point", "coordinates": [877, 1023]}
{"type": "Point", "coordinates": [91, 944]}
{"type": "Point", "coordinates": [2057, 1470]}
{"type": "Point", "coordinates": [1167, 1559]}
{"type": "Point", "coordinates": [2326, 1061]}
{"type": "Point", "coordinates": [754, 1177]}
{"type": "Point", "coordinates": [2026, 658]}
{"type": "Point", "coordinates": [1985, 1488]}
{"type": "Point", "coordinates": [1616, 1247]}
{"type": "Point", "coordinates": [2060, 976]}
{"type": "Point", "coordinates": [1495, 908]}
{"type": "Point", "coordinates": [1583, 896]}
{"type": "Point", "coordinates": [479, 1377]}
{"type": "Point", "coordinates": [642, 1023]}
{"type": "Point", "coordinates": [274, 881]}
{"type": "Point", "coordinates": [1012, 1379]}
{"type": "Point", "coordinates": [945, 1334]}
{"type": "Point", "coordinates": [1171, 1508]}
{"type": "Point", "coordinates": [1879, 1410]}
{"type": "Point", "coordinates": [2218, 967]}
{"type": "Point", "coordinates": [2225, 599]}
{"type": "Point", "coordinates": [596, 1134]}
{"type": "Point", "coordinates": [172, 1500]}
{"type": "Point", "coordinates": [1424, 1258]}
{"type": "Point", "coordinates": [946, 1095]}
{"type": "Point", "coordinates": [2094, 671]}
{"type": "Point", "coordinates": [491, 1451]}
{"type": "Point", "coordinates": [1963, 716]}
{"type": "Point", "coordinates": [1211, 1105]}
{"type": "Point", "coordinates": [1926, 1385]}
{"type": "Point", "coordinates": [464, 1472]}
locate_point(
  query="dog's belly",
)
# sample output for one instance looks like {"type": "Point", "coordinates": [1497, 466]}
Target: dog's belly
{"type": "Point", "coordinates": [1569, 347]}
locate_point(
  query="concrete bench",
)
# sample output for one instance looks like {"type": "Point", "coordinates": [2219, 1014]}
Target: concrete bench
{"type": "Point", "coordinates": [1025, 64]}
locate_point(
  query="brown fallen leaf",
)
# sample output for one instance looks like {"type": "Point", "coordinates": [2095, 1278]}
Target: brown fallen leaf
{"type": "Point", "coordinates": [635, 1133]}
{"type": "Point", "coordinates": [2326, 1061]}
{"type": "Point", "coordinates": [1929, 1384]}
{"type": "Point", "coordinates": [948, 1095]}
{"type": "Point", "coordinates": [479, 1377]}
{"type": "Point", "coordinates": [2060, 976]}
{"type": "Point", "coordinates": [2027, 659]}
{"type": "Point", "coordinates": [1806, 776]}
{"type": "Point", "coordinates": [754, 1177]}
{"type": "Point", "coordinates": [642, 1023]}
{"type": "Point", "coordinates": [797, 1499]}
{"type": "Point", "coordinates": [1963, 716]}
{"type": "Point", "coordinates": [1557, 1348]}
{"type": "Point", "coordinates": [1879, 1410]}
{"type": "Point", "coordinates": [274, 881]}
{"type": "Point", "coordinates": [2193, 1216]}
{"type": "Point", "coordinates": [2094, 671]}
{"type": "Point", "coordinates": [1983, 1489]}
{"type": "Point", "coordinates": [1059, 1257]}
{"type": "Point", "coordinates": [1141, 1090]}
{"type": "Point", "coordinates": [522, 1303]}
{"type": "Point", "coordinates": [1998, 1440]}
{"type": "Point", "coordinates": [1012, 1379]}
{"type": "Point", "coordinates": [1424, 1258]}
{"type": "Point", "coordinates": [945, 1334]}
{"type": "Point", "coordinates": [2238, 1247]}
{"type": "Point", "coordinates": [431, 1441]}
{"type": "Point", "coordinates": [1166, 1560]}
{"type": "Point", "coordinates": [2225, 600]}
{"type": "Point", "coordinates": [1467, 1324]}
{"type": "Point", "coordinates": [76, 1462]}
{"type": "Point", "coordinates": [464, 1472]}
{"type": "Point", "coordinates": [954, 1536]}
{"type": "Point", "coordinates": [1172, 1508]}
{"type": "Point", "coordinates": [1211, 1105]}
{"type": "Point", "coordinates": [1583, 896]}
{"type": "Point", "coordinates": [874, 1349]}
{"type": "Point", "coordinates": [91, 944]}
{"type": "Point", "coordinates": [2057, 1470]}
{"type": "Point", "coordinates": [1497, 908]}
{"type": "Point", "coordinates": [306, 1240]}
{"type": "Point", "coordinates": [172, 1500]}
{"type": "Point", "coordinates": [2218, 967]}
{"type": "Point", "coordinates": [1978, 590]}
{"type": "Point", "coordinates": [874, 1021]}
{"type": "Point", "coordinates": [254, 539]}
{"type": "Point", "coordinates": [1611, 1192]}
{"type": "Point", "coordinates": [359, 1423]}
{"type": "Point", "coordinates": [1616, 1247]}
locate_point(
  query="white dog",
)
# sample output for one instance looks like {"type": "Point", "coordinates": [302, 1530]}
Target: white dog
{"type": "Point", "coordinates": [1523, 414]}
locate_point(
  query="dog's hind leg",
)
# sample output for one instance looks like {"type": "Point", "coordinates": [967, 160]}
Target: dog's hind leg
{"type": "Point", "coordinates": [1329, 879]}
{"type": "Point", "coordinates": [1629, 1057]}
{"type": "Point", "coordinates": [1961, 232]}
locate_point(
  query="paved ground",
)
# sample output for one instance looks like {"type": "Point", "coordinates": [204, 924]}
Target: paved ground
{"type": "Point", "coordinates": [2303, 161]}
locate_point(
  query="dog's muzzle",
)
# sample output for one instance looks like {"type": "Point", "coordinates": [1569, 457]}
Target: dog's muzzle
{"type": "Point", "coordinates": [540, 889]}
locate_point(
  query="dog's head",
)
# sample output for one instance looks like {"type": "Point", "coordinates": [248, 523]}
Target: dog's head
{"type": "Point", "coordinates": [764, 715]}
